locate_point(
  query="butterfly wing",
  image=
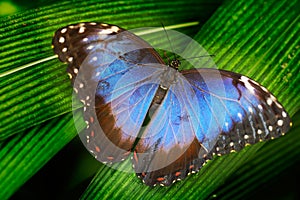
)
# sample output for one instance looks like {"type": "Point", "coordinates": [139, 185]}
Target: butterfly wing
{"type": "Point", "coordinates": [245, 112]}
{"type": "Point", "coordinates": [224, 112]}
{"type": "Point", "coordinates": [101, 61]}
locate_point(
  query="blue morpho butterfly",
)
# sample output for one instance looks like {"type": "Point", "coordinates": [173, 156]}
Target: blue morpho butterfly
{"type": "Point", "coordinates": [195, 113]}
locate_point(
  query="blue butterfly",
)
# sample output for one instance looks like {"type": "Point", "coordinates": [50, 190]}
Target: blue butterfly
{"type": "Point", "coordinates": [173, 121]}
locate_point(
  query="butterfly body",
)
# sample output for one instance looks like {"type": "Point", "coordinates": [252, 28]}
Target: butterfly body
{"type": "Point", "coordinates": [193, 114]}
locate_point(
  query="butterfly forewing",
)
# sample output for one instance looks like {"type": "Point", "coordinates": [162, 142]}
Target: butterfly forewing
{"type": "Point", "coordinates": [250, 113]}
{"type": "Point", "coordinates": [100, 59]}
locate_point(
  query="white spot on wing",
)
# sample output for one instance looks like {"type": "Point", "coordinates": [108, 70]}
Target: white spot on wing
{"type": "Point", "coordinates": [90, 47]}
{"type": "Point", "coordinates": [75, 70]}
{"type": "Point", "coordinates": [81, 30]}
{"type": "Point", "coordinates": [245, 80]}
{"type": "Point", "coordinates": [270, 128]}
{"type": "Point", "coordinates": [264, 89]}
{"type": "Point", "coordinates": [260, 107]}
{"type": "Point", "coordinates": [64, 49]}
{"type": "Point", "coordinates": [273, 98]}
{"type": "Point", "coordinates": [70, 59]}
{"type": "Point", "coordinates": [280, 122]}
{"type": "Point", "coordinates": [64, 30]}
{"type": "Point", "coordinates": [61, 40]}
{"type": "Point", "coordinates": [278, 105]}
{"type": "Point", "coordinates": [105, 31]}
{"type": "Point", "coordinates": [115, 29]}
{"type": "Point", "coordinates": [269, 101]}
{"type": "Point", "coordinates": [284, 114]}
{"type": "Point", "coordinates": [85, 39]}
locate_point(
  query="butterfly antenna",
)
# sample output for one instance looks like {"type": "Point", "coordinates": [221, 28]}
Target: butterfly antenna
{"type": "Point", "coordinates": [209, 55]}
{"type": "Point", "coordinates": [175, 57]}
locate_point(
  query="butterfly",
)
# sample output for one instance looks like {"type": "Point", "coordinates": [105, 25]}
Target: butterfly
{"type": "Point", "coordinates": [171, 122]}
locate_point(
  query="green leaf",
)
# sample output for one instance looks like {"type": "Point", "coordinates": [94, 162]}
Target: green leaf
{"type": "Point", "coordinates": [23, 155]}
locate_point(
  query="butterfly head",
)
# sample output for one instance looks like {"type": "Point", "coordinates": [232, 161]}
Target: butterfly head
{"type": "Point", "coordinates": [175, 64]}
